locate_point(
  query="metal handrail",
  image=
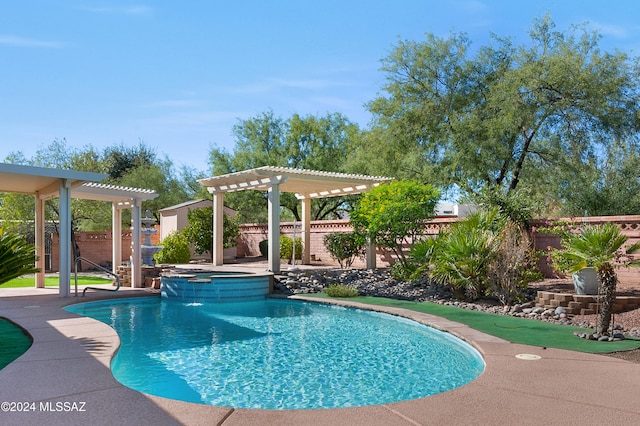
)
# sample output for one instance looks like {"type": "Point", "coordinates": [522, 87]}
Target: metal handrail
{"type": "Point", "coordinates": [78, 259]}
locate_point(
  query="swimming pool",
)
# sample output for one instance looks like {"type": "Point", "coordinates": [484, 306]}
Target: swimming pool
{"type": "Point", "coordinates": [279, 354]}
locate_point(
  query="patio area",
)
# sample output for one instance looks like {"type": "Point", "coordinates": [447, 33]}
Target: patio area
{"type": "Point", "coordinates": [65, 380]}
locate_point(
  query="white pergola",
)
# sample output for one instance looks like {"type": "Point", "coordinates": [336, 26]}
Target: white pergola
{"type": "Point", "coordinates": [46, 183]}
{"type": "Point", "coordinates": [306, 184]}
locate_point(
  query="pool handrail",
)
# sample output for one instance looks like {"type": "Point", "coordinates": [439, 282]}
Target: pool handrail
{"type": "Point", "coordinates": [80, 258]}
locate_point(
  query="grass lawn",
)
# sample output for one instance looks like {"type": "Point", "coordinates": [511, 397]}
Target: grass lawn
{"type": "Point", "coordinates": [53, 281]}
{"type": "Point", "coordinates": [515, 330]}
{"type": "Point", "coordinates": [14, 342]}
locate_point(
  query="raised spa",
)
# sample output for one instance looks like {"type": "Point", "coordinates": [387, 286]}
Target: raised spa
{"type": "Point", "coordinates": [216, 286]}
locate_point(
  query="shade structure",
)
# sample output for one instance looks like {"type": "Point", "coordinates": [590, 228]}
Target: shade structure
{"type": "Point", "coordinates": [305, 184]}
{"type": "Point", "coordinates": [47, 183]}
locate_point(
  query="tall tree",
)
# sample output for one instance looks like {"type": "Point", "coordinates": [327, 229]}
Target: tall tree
{"type": "Point", "coordinates": [318, 143]}
{"type": "Point", "coordinates": [605, 186]}
{"type": "Point", "coordinates": [502, 116]}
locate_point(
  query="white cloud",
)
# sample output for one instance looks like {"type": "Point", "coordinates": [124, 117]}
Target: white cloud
{"type": "Point", "coordinates": [274, 84]}
{"type": "Point", "coordinates": [610, 29]}
{"type": "Point", "coordinates": [11, 40]}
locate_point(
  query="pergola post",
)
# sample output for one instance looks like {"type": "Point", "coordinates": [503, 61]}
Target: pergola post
{"type": "Point", "coordinates": [39, 240]}
{"type": "Point", "coordinates": [306, 231]}
{"type": "Point", "coordinates": [136, 255]}
{"type": "Point", "coordinates": [116, 237]}
{"type": "Point", "coordinates": [273, 197]}
{"type": "Point", "coordinates": [218, 229]}
{"type": "Point", "coordinates": [370, 254]}
{"type": "Point", "coordinates": [64, 282]}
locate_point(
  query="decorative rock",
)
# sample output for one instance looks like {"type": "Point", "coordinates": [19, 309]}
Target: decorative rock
{"type": "Point", "coordinates": [560, 310]}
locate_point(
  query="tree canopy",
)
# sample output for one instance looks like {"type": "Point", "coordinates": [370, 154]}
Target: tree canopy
{"type": "Point", "coordinates": [126, 166]}
{"type": "Point", "coordinates": [317, 143]}
{"type": "Point", "coordinates": [502, 116]}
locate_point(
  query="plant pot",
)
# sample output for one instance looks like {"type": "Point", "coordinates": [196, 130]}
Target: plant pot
{"type": "Point", "coordinates": [585, 281]}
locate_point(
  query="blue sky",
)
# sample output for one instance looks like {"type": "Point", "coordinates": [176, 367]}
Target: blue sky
{"type": "Point", "coordinates": [178, 75]}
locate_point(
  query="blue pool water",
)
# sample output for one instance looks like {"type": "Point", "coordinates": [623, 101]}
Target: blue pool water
{"type": "Point", "coordinates": [279, 354]}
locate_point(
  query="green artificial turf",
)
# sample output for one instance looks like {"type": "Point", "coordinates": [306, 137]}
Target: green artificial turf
{"type": "Point", "coordinates": [13, 342]}
{"type": "Point", "coordinates": [515, 330]}
{"type": "Point", "coordinates": [53, 281]}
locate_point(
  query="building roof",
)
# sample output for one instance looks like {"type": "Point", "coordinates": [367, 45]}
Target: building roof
{"type": "Point", "coordinates": [185, 204]}
{"type": "Point", "coordinates": [304, 183]}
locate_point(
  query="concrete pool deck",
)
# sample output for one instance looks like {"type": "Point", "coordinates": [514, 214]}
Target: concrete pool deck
{"type": "Point", "coordinates": [64, 379]}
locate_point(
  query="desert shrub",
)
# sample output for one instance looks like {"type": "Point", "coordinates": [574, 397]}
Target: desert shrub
{"type": "Point", "coordinates": [418, 260]}
{"type": "Point", "coordinates": [514, 266]}
{"type": "Point", "coordinates": [344, 247]}
{"type": "Point", "coordinates": [340, 290]}
{"type": "Point", "coordinates": [286, 247]}
{"type": "Point", "coordinates": [175, 249]}
{"type": "Point", "coordinates": [264, 248]}
{"type": "Point", "coordinates": [487, 254]}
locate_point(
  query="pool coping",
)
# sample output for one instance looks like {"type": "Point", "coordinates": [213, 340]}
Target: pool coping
{"type": "Point", "coordinates": [68, 364]}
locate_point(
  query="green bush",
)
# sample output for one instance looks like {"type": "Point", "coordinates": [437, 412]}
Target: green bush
{"type": "Point", "coordinates": [418, 260]}
{"type": "Point", "coordinates": [487, 254]}
{"type": "Point", "coordinates": [286, 247]}
{"type": "Point", "coordinates": [175, 249]}
{"type": "Point", "coordinates": [199, 232]}
{"type": "Point", "coordinates": [16, 257]}
{"type": "Point", "coordinates": [394, 215]}
{"type": "Point", "coordinates": [340, 290]}
{"type": "Point", "coordinates": [264, 248]}
{"type": "Point", "coordinates": [344, 247]}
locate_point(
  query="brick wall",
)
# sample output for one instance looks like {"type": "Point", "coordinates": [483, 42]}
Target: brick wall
{"type": "Point", "coordinates": [96, 246]}
{"type": "Point", "coordinates": [252, 234]}
{"type": "Point", "coordinates": [629, 225]}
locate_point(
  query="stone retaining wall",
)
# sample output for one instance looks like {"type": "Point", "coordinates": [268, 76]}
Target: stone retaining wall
{"type": "Point", "coordinates": [579, 304]}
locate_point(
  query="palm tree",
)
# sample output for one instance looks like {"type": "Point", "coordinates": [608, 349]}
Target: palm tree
{"type": "Point", "coordinates": [16, 257]}
{"type": "Point", "coordinates": [598, 247]}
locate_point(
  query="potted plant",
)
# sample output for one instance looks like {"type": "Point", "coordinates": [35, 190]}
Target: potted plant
{"type": "Point", "coordinates": [598, 247]}
{"type": "Point", "coordinates": [585, 280]}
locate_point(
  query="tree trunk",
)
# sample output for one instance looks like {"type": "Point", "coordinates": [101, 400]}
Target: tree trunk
{"type": "Point", "coordinates": [609, 280]}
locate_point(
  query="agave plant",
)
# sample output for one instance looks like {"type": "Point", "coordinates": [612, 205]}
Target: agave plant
{"type": "Point", "coordinates": [16, 257]}
{"type": "Point", "coordinates": [599, 247]}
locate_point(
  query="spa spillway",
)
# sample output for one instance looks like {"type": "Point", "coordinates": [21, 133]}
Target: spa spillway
{"type": "Point", "coordinates": [216, 286]}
